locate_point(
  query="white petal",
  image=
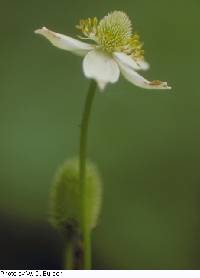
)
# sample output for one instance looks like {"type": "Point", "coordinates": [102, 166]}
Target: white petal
{"type": "Point", "coordinates": [129, 61]}
{"type": "Point", "coordinates": [65, 42]}
{"type": "Point", "coordinates": [144, 65]}
{"type": "Point", "coordinates": [102, 67]}
{"type": "Point", "coordinates": [136, 79]}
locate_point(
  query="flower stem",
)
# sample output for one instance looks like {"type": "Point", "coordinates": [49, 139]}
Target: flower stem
{"type": "Point", "coordinates": [82, 165]}
{"type": "Point", "coordinates": [69, 256]}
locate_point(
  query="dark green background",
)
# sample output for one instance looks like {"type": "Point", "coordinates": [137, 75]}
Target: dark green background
{"type": "Point", "coordinates": [146, 143]}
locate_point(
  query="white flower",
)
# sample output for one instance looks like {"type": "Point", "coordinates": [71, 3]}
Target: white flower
{"type": "Point", "coordinates": [114, 49]}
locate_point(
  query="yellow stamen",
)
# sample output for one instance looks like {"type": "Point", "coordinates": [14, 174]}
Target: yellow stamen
{"type": "Point", "coordinates": [88, 27]}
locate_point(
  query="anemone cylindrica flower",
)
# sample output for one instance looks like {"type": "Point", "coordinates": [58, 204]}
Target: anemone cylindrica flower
{"type": "Point", "coordinates": [113, 48]}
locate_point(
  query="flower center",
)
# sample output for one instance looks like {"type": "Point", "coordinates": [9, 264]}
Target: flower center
{"type": "Point", "coordinates": [114, 30]}
{"type": "Point", "coordinates": [113, 33]}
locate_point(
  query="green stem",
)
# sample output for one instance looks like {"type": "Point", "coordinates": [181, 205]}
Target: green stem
{"type": "Point", "coordinates": [83, 156]}
{"type": "Point", "coordinates": [69, 256]}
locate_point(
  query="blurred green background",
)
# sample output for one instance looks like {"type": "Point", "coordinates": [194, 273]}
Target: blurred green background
{"type": "Point", "coordinates": [146, 143]}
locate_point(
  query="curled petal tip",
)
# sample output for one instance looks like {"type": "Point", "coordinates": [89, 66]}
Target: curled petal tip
{"type": "Point", "coordinates": [160, 85]}
{"type": "Point", "coordinates": [168, 87]}
{"type": "Point", "coordinates": [41, 30]}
